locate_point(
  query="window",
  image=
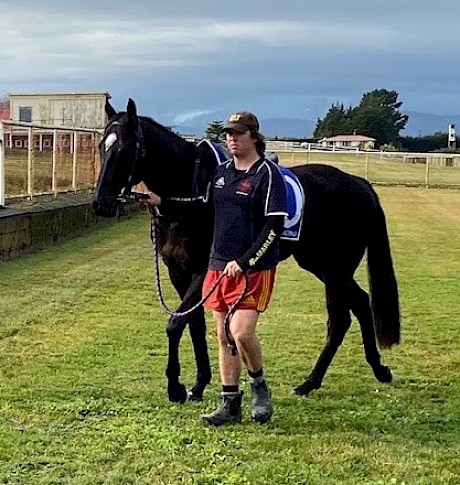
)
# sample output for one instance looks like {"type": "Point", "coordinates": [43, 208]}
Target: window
{"type": "Point", "coordinates": [25, 114]}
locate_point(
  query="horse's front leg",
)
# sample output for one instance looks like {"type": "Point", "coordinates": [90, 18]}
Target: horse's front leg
{"type": "Point", "coordinates": [174, 330]}
{"type": "Point", "coordinates": [191, 296]}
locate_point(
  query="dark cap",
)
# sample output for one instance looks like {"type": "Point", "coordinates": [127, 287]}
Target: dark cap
{"type": "Point", "coordinates": [242, 121]}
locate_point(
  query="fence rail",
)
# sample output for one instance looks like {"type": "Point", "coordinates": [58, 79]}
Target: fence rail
{"type": "Point", "coordinates": [391, 168]}
{"type": "Point", "coordinates": [42, 159]}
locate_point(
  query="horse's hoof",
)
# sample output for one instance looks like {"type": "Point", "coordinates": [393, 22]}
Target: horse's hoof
{"type": "Point", "coordinates": [383, 374]}
{"type": "Point", "coordinates": [195, 396]}
{"type": "Point", "coordinates": [304, 389]}
{"type": "Point", "coordinates": [177, 393]}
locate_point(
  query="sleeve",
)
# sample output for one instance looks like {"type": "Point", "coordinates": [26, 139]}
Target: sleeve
{"type": "Point", "coordinates": [268, 235]}
{"type": "Point", "coordinates": [276, 198]}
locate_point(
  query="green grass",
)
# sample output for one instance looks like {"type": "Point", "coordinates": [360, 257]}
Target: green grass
{"type": "Point", "coordinates": [83, 351]}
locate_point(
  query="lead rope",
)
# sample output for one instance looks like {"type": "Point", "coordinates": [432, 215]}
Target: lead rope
{"type": "Point", "coordinates": [153, 235]}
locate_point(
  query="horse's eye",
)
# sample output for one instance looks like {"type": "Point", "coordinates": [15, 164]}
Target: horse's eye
{"type": "Point", "coordinates": [109, 141]}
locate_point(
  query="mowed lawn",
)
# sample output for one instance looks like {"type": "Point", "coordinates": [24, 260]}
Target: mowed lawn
{"type": "Point", "coordinates": [83, 353]}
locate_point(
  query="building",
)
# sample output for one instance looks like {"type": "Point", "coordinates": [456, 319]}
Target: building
{"type": "Point", "coordinates": [4, 112]}
{"type": "Point", "coordinates": [358, 142]}
{"type": "Point", "coordinates": [82, 110]}
{"type": "Point", "coordinates": [69, 110]}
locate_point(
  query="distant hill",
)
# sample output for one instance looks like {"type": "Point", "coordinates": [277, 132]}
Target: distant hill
{"type": "Point", "coordinates": [270, 127]}
{"type": "Point", "coordinates": [419, 124]}
{"type": "Point", "coordinates": [423, 124]}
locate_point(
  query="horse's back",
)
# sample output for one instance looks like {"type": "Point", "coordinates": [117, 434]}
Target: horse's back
{"type": "Point", "coordinates": [339, 214]}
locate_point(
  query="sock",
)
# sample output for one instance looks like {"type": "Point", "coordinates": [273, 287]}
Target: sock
{"type": "Point", "coordinates": [230, 389]}
{"type": "Point", "coordinates": [256, 377]}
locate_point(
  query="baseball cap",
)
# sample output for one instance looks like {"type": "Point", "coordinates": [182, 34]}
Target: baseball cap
{"type": "Point", "coordinates": [242, 121]}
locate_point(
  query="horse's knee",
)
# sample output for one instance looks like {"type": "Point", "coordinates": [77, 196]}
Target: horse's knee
{"type": "Point", "coordinates": [175, 327]}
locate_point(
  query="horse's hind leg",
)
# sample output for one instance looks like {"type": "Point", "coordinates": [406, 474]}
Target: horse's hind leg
{"type": "Point", "coordinates": [339, 321]}
{"type": "Point", "coordinates": [360, 307]}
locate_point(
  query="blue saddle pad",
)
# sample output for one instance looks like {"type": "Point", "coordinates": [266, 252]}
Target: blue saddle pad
{"type": "Point", "coordinates": [219, 149]}
{"type": "Point", "coordinates": [295, 204]}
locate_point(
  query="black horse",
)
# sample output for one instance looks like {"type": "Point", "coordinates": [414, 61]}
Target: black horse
{"type": "Point", "coordinates": [342, 219]}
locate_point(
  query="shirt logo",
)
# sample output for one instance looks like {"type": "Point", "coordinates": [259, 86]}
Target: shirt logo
{"type": "Point", "coordinates": [220, 182]}
{"type": "Point", "coordinates": [244, 187]}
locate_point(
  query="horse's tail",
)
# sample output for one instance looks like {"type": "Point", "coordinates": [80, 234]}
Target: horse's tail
{"type": "Point", "coordinates": [382, 283]}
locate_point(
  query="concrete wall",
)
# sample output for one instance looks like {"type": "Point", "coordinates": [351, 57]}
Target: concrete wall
{"type": "Point", "coordinates": [24, 229]}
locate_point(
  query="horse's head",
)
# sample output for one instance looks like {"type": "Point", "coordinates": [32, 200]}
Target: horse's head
{"type": "Point", "coordinates": [121, 154]}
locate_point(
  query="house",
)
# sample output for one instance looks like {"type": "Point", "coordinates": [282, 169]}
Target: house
{"type": "Point", "coordinates": [358, 142]}
{"type": "Point", "coordinates": [82, 110]}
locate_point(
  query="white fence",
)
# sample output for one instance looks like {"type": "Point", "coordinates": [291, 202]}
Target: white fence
{"type": "Point", "coordinates": [40, 159]}
{"type": "Point", "coordinates": [392, 168]}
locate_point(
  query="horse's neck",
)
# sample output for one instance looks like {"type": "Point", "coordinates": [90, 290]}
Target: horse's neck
{"type": "Point", "coordinates": [170, 172]}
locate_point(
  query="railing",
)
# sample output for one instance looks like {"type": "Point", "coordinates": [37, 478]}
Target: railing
{"type": "Point", "coordinates": [389, 168]}
{"type": "Point", "coordinates": [41, 159]}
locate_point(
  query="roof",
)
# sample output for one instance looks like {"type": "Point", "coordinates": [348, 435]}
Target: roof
{"type": "Point", "coordinates": [349, 138]}
{"type": "Point", "coordinates": [95, 93]}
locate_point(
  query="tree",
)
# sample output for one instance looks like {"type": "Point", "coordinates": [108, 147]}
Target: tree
{"type": "Point", "coordinates": [214, 130]}
{"type": "Point", "coordinates": [377, 116]}
{"type": "Point", "coordinates": [334, 123]}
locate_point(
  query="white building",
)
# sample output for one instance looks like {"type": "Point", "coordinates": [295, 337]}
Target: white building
{"type": "Point", "coordinates": [82, 110]}
{"type": "Point", "coordinates": [359, 142]}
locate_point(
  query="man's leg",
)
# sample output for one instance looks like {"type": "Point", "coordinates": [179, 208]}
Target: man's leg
{"type": "Point", "coordinates": [230, 368]}
{"type": "Point", "coordinates": [243, 328]}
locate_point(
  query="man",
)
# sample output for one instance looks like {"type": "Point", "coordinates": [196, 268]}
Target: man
{"type": "Point", "coordinates": [249, 197]}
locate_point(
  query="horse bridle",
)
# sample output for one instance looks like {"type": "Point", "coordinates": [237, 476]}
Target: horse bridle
{"type": "Point", "coordinates": [139, 155]}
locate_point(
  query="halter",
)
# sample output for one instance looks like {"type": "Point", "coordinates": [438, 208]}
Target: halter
{"type": "Point", "coordinates": [140, 148]}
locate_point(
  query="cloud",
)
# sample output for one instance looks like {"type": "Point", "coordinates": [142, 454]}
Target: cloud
{"type": "Point", "coordinates": [190, 115]}
{"type": "Point", "coordinates": [273, 58]}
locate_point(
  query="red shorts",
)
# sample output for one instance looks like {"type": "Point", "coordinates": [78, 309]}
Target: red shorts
{"type": "Point", "coordinates": [257, 296]}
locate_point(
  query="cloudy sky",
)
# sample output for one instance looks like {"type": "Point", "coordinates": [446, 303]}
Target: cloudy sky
{"type": "Point", "coordinates": [180, 59]}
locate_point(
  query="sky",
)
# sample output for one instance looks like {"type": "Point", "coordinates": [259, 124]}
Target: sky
{"type": "Point", "coordinates": [180, 59]}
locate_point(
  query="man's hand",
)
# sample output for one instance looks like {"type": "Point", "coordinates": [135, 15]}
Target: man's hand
{"type": "Point", "coordinates": [232, 269]}
{"type": "Point", "coordinates": [152, 199]}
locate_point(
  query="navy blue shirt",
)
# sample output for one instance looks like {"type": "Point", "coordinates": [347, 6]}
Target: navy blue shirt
{"type": "Point", "coordinates": [243, 202]}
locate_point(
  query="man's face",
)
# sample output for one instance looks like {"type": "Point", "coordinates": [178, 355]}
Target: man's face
{"type": "Point", "coordinates": [240, 144]}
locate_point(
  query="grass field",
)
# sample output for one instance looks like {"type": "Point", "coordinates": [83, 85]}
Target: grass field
{"type": "Point", "coordinates": [380, 171]}
{"type": "Point", "coordinates": [83, 350]}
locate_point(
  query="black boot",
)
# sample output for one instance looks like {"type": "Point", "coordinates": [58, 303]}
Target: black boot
{"type": "Point", "coordinates": [262, 408]}
{"type": "Point", "coordinates": [229, 410]}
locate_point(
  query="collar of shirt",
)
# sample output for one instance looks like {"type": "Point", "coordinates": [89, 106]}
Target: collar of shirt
{"type": "Point", "coordinates": [252, 169]}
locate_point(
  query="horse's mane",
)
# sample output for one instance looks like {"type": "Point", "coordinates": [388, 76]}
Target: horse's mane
{"type": "Point", "coordinates": [167, 136]}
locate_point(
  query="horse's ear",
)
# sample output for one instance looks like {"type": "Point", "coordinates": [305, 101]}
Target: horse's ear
{"type": "Point", "coordinates": [109, 110]}
{"type": "Point", "coordinates": [131, 110]}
